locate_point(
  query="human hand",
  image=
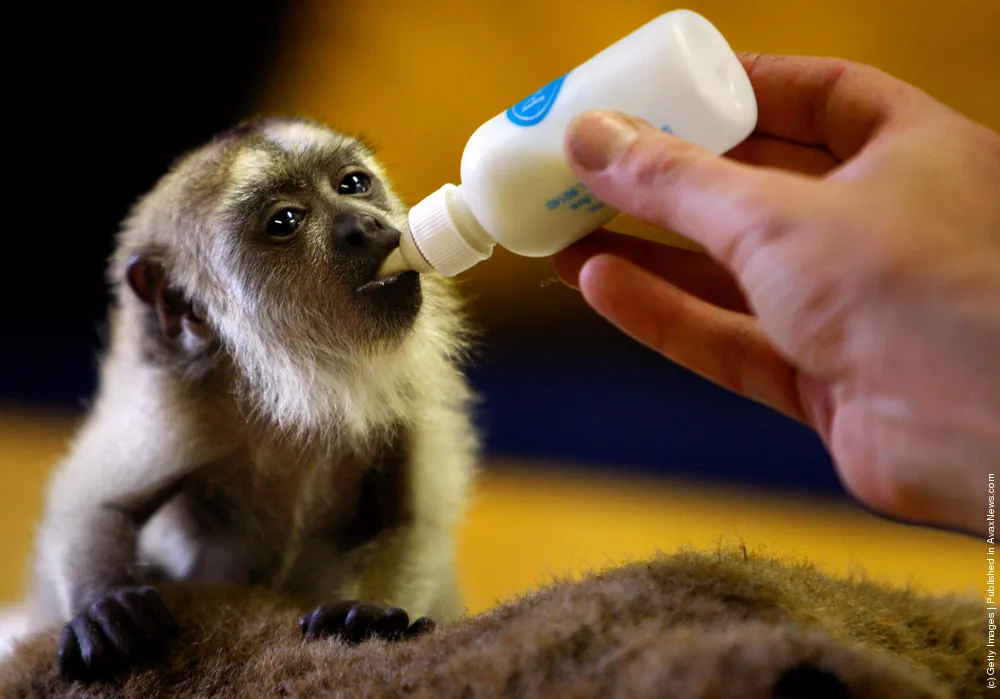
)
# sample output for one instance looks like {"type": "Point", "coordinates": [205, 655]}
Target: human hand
{"type": "Point", "coordinates": [852, 279]}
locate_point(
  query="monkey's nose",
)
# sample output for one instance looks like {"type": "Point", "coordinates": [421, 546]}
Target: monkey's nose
{"type": "Point", "coordinates": [363, 234]}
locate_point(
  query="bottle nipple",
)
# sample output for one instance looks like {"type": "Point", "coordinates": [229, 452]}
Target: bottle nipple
{"type": "Point", "coordinates": [393, 264]}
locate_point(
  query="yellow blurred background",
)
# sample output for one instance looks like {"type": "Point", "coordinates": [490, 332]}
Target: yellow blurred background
{"type": "Point", "coordinates": [418, 77]}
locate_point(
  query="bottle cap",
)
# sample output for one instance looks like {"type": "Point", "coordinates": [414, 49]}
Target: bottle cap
{"type": "Point", "coordinates": [438, 238]}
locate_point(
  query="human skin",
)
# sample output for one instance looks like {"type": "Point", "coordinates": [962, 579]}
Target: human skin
{"type": "Point", "coordinates": [852, 274]}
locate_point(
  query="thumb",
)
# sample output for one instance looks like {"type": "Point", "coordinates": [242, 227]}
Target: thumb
{"type": "Point", "coordinates": [730, 208]}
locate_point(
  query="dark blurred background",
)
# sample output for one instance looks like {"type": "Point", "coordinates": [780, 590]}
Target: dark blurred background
{"type": "Point", "coordinates": [116, 94]}
{"type": "Point", "coordinates": [111, 96]}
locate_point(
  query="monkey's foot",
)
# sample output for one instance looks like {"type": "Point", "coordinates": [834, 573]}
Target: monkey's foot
{"type": "Point", "coordinates": [355, 622]}
{"type": "Point", "coordinates": [116, 632]}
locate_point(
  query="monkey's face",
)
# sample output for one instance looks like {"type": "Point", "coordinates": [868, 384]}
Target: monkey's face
{"type": "Point", "coordinates": [304, 220]}
{"type": "Point", "coordinates": [265, 244]}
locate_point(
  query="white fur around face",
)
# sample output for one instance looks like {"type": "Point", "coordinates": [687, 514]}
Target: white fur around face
{"type": "Point", "coordinates": [318, 387]}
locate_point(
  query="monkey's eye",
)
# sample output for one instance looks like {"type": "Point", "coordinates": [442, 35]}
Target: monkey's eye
{"type": "Point", "coordinates": [354, 183]}
{"type": "Point", "coordinates": [285, 222]}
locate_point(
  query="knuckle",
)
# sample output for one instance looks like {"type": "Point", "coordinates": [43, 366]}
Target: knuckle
{"type": "Point", "coordinates": [853, 70]}
{"type": "Point", "coordinates": [839, 66]}
{"type": "Point", "coordinates": [102, 607]}
{"type": "Point", "coordinates": [147, 592]}
{"type": "Point", "coordinates": [129, 597]}
{"type": "Point", "coordinates": [842, 70]}
{"type": "Point", "coordinates": [761, 218]}
{"type": "Point", "coordinates": [654, 167]}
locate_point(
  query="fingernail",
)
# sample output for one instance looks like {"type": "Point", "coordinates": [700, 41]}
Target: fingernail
{"type": "Point", "coordinates": [598, 139]}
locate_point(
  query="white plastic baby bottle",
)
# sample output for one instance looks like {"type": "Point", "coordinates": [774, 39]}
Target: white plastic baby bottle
{"type": "Point", "coordinates": [677, 72]}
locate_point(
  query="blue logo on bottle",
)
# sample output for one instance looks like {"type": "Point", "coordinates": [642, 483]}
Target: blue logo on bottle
{"type": "Point", "coordinates": [536, 106]}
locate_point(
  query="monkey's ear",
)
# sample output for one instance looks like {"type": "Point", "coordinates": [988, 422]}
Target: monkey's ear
{"type": "Point", "coordinates": [144, 276]}
{"type": "Point", "coordinates": [180, 320]}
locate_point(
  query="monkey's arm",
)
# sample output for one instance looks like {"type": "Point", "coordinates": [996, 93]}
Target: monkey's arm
{"type": "Point", "coordinates": [406, 583]}
{"type": "Point", "coordinates": [119, 472]}
{"type": "Point", "coordinates": [88, 542]}
{"type": "Point", "coordinates": [409, 563]}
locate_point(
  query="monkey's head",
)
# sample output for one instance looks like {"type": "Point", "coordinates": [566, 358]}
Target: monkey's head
{"type": "Point", "coordinates": [261, 248]}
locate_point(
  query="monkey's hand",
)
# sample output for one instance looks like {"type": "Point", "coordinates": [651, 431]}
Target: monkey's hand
{"type": "Point", "coordinates": [115, 633]}
{"type": "Point", "coordinates": [355, 622]}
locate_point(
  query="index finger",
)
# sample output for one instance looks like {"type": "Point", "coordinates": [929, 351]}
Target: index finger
{"type": "Point", "coordinates": [693, 272]}
{"type": "Point", "coordinates": [826, 102]}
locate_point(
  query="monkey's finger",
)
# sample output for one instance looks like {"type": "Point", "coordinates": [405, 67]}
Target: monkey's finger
{"type": "Point", "coordinates": [421, 626]}
{"type": "Point", "coordinates": [393, 624]}
{"type": "Point", "coordinates": [118, 628]}
{"type": "Point", "coordinates": [96, 654]}
{"type": "Point", "coordinates": [154, 605]}
{"type": "Point", "coordinates": [71, 665]}
{"type": "Point", "coordinates": [147, 623]}
{"type": "Point", "coordinates": [326, 619]}
{"type": "Point", "coordinates": [361, 622]}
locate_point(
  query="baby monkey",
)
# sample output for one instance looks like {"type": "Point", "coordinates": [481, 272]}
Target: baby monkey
{"type": "Point", "coordinates": [268, 413]}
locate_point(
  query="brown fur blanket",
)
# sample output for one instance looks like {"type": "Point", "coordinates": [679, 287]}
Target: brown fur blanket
{"type": "Point", "coordinates": [720, 624]}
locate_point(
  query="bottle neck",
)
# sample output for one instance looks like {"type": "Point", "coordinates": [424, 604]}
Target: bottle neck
{"type": "Point", "coordinates": [466, 222]}
{"type": "Point", "coordinates": [444, 235]}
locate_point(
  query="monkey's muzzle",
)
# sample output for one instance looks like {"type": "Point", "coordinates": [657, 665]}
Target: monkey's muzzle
{"type": "Point", "coordinates": [371, 241]}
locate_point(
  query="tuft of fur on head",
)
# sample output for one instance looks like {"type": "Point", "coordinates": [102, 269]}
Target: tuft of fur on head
{"type": "Point", "coordinates": [300, 355]}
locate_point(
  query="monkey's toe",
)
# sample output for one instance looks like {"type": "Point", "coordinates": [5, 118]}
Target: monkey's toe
{"type": "Point", "coordinates": [114, 634]}
{"type": "Point", "coordinates": [354, 622]}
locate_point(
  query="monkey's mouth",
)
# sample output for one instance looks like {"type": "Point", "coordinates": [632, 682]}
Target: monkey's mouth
{"type": "Point", "coordinates": [376, 285]}
{"type": "Point", "coordinates": [393, 301]}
